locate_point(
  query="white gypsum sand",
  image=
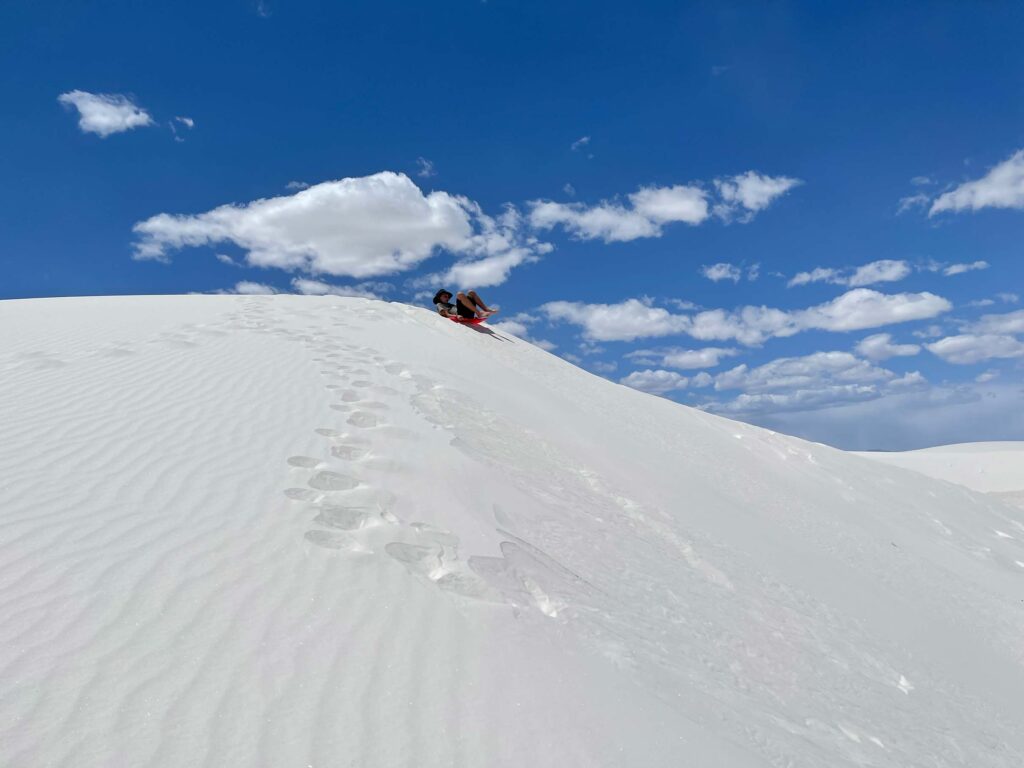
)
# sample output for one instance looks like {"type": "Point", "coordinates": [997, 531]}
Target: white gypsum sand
{"type": "Point", "coordinates": [320, 531]}
{"type": "Point", "coordinates": [996, 467]}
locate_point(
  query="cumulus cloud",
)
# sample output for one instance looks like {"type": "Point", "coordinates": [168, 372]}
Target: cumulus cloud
{"type": "Point", "coordinates": [854, 310]}
{"type": "Point", "coordinates": [880, 346]}
{"type": "Point", "coordinates": [746, 194]}
{"type": "Point", "coordinates": [969, 348]}
{"type": "Point", "coordinates": [655, 382]}
{"type": "Point", "coordinates": [354, 227]}
{"type": "Point", "coordinates": [675, 357]}
{"type": "Point", "coordinates": [310, 287]}
{"type": "Point", "coordinates": [649, 209]}
{"type": "Point", "coordinates": [881, 271]}
{"type": "Point", "coordinates": [959, 269]}
{"type": "Point", "coordinates": [105, 113]}
{"type": "Point", "coordinates": [1009, 322]}
{"type": "Point", "coordinates": [249, 288]}
{"type": "Point", "coordinates": [629, 320]}
{"type": "Point", "coordinates": [1001, 187]}
{"type": "Point", "coordinates": [814, 381]}
{"type": "Point", "coordinates": [721, 271]}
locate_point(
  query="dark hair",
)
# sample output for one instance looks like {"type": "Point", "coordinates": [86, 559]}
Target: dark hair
{"type": "Point", "coordinates": [439, 294]}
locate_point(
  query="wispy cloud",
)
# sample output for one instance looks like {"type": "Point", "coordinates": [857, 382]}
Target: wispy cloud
{"type": "Point", "coordinates": [959, 269]}
{"type": "Point", "coordinates": [425, 168]}
{"type": "Point", "coordinates": [105, 113]}
{"type": "Point", "coordinates": [882, 271]}
{"type": "Point", "coordinates": [580, 143]}
{"type": "Point", "coordinates": [1001, 187]}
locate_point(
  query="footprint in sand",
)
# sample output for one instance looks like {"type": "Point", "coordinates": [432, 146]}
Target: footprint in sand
{"type": "Point", "coordinates": [362, 419]}
{"type": "Point", "coordinates": [305, 462]}
{"type": "Point", "coordinates": [328, 432]}
{"type": "Point", "coordinates": [332, 481]}
{"type": "Point", "coordinates": [350, 396]}
{"type": "Point", "coordinates": [349, 452]}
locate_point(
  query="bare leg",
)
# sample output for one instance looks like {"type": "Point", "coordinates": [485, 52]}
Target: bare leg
{"type": "Point", "coordinates": [478, 301]}
{"type": "Point", "coordinates": [472, 302]}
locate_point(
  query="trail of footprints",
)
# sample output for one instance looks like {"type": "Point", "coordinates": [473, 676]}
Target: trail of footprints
{"type": "Point", "coordinates": [351, 513]}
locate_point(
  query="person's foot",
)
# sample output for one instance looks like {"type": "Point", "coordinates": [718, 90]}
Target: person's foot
{"type": "Point", "coordinates": [488, 312]}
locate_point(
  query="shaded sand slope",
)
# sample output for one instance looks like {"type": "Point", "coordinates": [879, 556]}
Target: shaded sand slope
{"type": "Point", "coordinates": [315, 531]}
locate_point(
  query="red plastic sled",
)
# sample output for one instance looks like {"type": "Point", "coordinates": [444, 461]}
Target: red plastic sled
{"type": "Point", "coordinates": [467, 320]}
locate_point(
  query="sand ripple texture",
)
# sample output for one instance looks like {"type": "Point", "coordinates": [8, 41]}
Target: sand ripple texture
{"type": "Point", "coordinates": [320, 531]}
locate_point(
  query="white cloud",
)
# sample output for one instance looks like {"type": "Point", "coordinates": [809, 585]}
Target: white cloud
{"type": "Point", "coordinates": [569, 189]}
{"type": "Point", "coordinates": [1010, 322]}
{"type": "Point", "coordinates": [356, 227]}
{"type": "Point", "coordinates": [959, 269]}
{"type": "Point", "coordinates": [721, 271]}
{"type": "Point", "coordinates": [608, 221]}
{"type": "Point", "coordinates": [650, 208]}
{"type": "Point", "coordinates": [674, 357]}
{"type": "Point", "coordinates": [250, 288]}
{"type": "Point", "coordinates": [295, 186]}
{"type": "Point", "coordinates": [855, 310]}
{"type": "Point", "coordinates": [626, 321]}
{"type": "Point", "coordinates": [903, 420]}
{"type": "Point", "coordinates": [223, 258]}
{"type": "Point", "coordinates": [1001, 187]}
{"type": "Point", "coordinates": [921, 181]}
{"type": "Point", "coordinates": [1008, 298]}
{"type": "Point", "coordinates": [864, 308]}
{"type": "Point", "coordinates": [188, 122]}
{"type": "Point", "coordinates": [818, 380]}
{"type": "Point", "coordinates": [920, 200]}
{"type": "Point", "coordinates": [753, 272]}
{"type": "Point", "coordinates": [310, 287]}
{"type": "Point", "coordinates": [105, 113]}
{"type": "Point", "coordinates": [987, 376]}
{"type": "Point", "coordinates": [655, 382]}
{"type": "Point", "coordinates": [881, 347]}
{"type": "Point", "coordinates": [882, 271]}
{"type": "Point", "coordinates": [580, 143]}
{"type": "Point", "coordinates": [425, 168]}
{"type": "Point", "coordinates": [663, 205]}
{"type": "Point", "coordinates": [750, 192]}
{"type": "Point", "coordinates": [969, 348]}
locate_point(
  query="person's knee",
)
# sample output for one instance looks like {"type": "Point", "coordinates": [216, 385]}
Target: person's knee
{"type": "Point", "coordinates": [472, 295]}
{"type": "Point", "coordinates": [461, 295]}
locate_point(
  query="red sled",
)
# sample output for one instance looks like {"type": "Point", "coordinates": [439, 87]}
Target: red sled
{"type": "Point", "coordinates": [467, 320]}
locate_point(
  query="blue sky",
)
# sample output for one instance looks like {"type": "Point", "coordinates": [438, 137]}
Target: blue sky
{"type": "Point", "coordinates": [589, 167]}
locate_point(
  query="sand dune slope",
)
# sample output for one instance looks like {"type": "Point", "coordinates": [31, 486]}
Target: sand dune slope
{"type": "Point", "coordinates": [315, 531]}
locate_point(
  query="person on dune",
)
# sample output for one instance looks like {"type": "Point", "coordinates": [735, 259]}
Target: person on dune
{"type": "Point", "coordinates": [467, 305]}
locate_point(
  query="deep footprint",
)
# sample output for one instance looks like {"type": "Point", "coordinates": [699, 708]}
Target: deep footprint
{"type": "Point", "coordinates": [344, 518]}
{"type": "Point", "coordinates": [362, 419]}
{"type": "Point", "coordinates": [332, 481]}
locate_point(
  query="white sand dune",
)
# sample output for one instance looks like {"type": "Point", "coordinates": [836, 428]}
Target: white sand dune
{"type": "Point", "coordinates": [315, 531]}
{"type": "Point", "coordinates": [987, 467]}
